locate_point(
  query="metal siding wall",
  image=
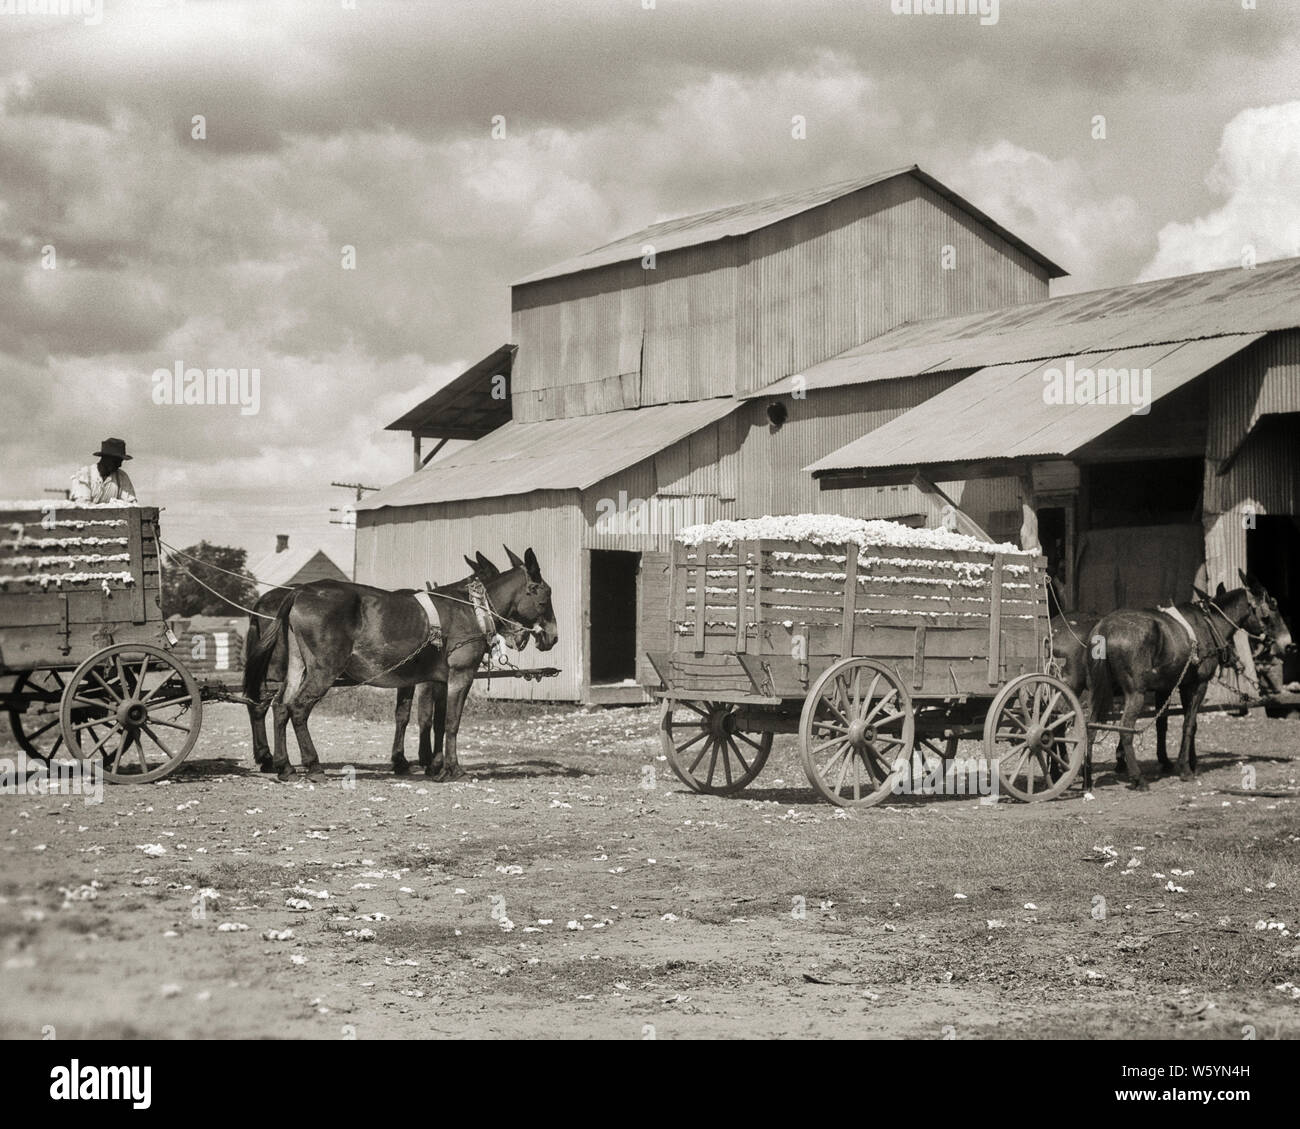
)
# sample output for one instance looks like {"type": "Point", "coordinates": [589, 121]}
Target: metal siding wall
{"type": "Point", "coordinates": [1265, 473]}
{"type": "Point", "coordinates": [1262, 379]}
{"type": "Point", "coordinates": [772, 480]}
{"type": "Point", "coordinates": [831, 278]}
{"type": "Point", "coordinates": [401, 547]}
{"type": "Point", "coordinates": [667, 513]}
{"type": "Point", "coordinates": [747, 311]}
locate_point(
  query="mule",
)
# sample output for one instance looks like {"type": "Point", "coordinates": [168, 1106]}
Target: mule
{"type": "Point", "coordinates": [1148, 651]}
{"type": "Point", "coordinates": [265, 609]}
{"type": "Point", "coordinates": [334, 629]}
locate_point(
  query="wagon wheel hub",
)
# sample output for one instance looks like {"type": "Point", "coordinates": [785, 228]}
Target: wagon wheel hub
{"type": "Point", "coordinates": [1039, 737]}
{"type": "Point", "coordinates": [132, 712]}
{"type": "Point", "coordinates": [861, 734]}
{"type": "Point", "coordinates": [722, 724]}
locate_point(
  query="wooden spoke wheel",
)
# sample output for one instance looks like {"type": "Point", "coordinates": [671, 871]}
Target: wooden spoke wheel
{"type": "Point", "coordinates": [35, 724]}
{"type": "Point", "coordinates": [707, 748]}
{"type": "Point", "coordinates": [135, 706]}
{"type": "Point", "coordinates": [856, 732]}
{"type": "Point", "coordinates": [1036, 733]}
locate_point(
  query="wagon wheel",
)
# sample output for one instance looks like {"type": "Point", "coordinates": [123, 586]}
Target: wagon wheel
{"type": "Point", "coordinates": [856, 732]}
{"type": "Point", "coordinates": [1036, 733]}
{"type": "Point", "coordinates": [707, 749]}
{"type": "Point", "coordinates": [135, 706]}
{"type": "Point", "coordinates": [36, 728]}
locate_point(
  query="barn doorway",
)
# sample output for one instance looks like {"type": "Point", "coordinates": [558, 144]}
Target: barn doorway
{"type": "Point", "coordinates": [612, 616]}
{"type": "Point", "coordinates": [1273, 557]}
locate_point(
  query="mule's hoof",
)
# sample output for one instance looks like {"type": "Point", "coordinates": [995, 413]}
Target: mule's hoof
{"type": "Point", "coordinates": [1187, 775]}
{"type": "Point", "coordinates": [1140, 785]}
{"type": "Point", "coordinates": [1121, 769]}
{"type": "Point", "coordinates": [316, 775]}
{"type": "Point", "coordinates": [265, 766]}
{"type": "Point", "coordinates": [401, 768]}
{"type": "Point", "coordinates": [284, 775]}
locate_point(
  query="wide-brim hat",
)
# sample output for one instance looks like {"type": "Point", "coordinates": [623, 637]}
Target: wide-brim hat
{"type": "Point", "coordinates": [114, 448]}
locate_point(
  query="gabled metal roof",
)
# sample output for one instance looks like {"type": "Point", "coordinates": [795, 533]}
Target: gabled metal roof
{"type": "Point", "coordinates": [1184, 308]}
{"type": "Point", "coordinates": [464, 408]}
{"type": "Point", "coordinates": [1002, 412]}
{"type": "Point", "coordinates": [740, 219]}
{"type": "Point", "coordinates": [557, 454]}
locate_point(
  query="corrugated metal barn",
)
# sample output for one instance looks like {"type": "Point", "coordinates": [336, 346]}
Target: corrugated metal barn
{"type": "Point", "coordinates": [731, 364]}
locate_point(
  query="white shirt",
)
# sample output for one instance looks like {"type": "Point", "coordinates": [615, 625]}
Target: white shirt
{"type": "Point", "coordinates": [89, 486]}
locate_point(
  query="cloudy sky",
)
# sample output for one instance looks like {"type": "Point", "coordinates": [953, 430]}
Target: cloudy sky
{"type": "Point", "coordinates": [363, 123]}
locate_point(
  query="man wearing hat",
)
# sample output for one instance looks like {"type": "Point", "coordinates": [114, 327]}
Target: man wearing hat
{"type": "Point", "coordinates": [104, 481]}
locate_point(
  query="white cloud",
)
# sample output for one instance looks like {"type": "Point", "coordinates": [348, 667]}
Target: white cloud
{"type": "Point", "coordinates": [1052, 204]}
{"type": "Point", "coordinates": [1257, 171]}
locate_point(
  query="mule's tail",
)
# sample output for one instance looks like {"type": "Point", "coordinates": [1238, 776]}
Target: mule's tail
{"type": "Point", "coordinates": [1099, 690]}
{"type": "Point", "coordinates": [263, 647]}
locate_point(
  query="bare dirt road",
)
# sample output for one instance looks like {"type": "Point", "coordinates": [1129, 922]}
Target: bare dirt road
{"type": "Point", "coordinates": [571, 887]}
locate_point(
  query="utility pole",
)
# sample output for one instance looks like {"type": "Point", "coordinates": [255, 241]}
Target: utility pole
{"type": "Point", "coordinates": [348, 511]}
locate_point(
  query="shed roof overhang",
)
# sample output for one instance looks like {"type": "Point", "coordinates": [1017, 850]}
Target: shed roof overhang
{"type": "Point", "coordinates": [556, 454]}
{"type": "Point", "coordinates": [1002, 419]}
{"type": "Point", "coordinates": [469, 407]}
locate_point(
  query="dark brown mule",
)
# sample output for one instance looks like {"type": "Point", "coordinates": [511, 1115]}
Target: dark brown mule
{"type": "Point", "coordinates": [1141, 652]}
{"type": "Point", "coordinates": [266, 608]}
{"type": "Point", "coordinates": [336, 629]}
{"type": "Point", "coordinates": [431, 714]}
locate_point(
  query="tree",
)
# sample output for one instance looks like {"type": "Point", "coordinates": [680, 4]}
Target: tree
{"type": "Point", "coordinates": [183, 595]}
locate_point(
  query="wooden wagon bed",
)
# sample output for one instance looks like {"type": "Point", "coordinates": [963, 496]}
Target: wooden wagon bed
{"type": "Point", "coordinates": [74, 579]}
{"type": "Point", "coordinates": [762, 619]}
{"type": "Point", "coordinates": [873, 654]}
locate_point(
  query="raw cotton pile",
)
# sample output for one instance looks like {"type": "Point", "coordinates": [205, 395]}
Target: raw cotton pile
{"type": "Point", "coordinates": [833, 529]}
{"type": "Point", "coordinates": [63, 504]}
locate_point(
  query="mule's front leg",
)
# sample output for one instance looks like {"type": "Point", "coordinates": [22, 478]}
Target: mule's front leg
{"type": "Point", "coordinates": [401, 717]}
{"type": "Point", "coordinates": [458, 684]}
{"type": "Point", "coordinates": [431, 703]}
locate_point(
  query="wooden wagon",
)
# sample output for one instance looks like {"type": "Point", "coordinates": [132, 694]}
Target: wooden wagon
{"type": "Point", "coordinates": [882, 658]}
{"type": "Point", "coordinates": [83, 641]}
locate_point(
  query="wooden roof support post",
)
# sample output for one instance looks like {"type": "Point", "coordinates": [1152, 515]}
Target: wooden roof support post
{"type": "Point", "coordinates": [967, 523]}
{"type": "Point", "coordinates": [1028, 516]}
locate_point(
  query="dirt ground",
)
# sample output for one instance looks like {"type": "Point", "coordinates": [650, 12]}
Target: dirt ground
{"type": "Point", "coordinates": [571, 887]}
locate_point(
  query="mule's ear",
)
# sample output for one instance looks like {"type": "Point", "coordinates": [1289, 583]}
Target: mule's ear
{"type": "Point", "coordinates": [1221, 592]}
{"type": "Point", "coordinates": [515, 562]}
{"type": "Point", "coordinates": [472, 564]}
{"type": "Point", "coordinates": [1201, 595]}
{"type": "Point", "coordinates": [530, 563]}
{"type": "Point", "coordinates": [486, 567]}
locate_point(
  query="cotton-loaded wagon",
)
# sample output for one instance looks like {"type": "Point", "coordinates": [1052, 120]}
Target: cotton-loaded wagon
{"type": "Point", "coordinates": [882, 647]}
{"type": "Point", "coordinates": [83, 646]}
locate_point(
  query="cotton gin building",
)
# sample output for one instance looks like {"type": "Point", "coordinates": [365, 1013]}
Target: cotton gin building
{"type": "Point", "coordinates": [634, 399]}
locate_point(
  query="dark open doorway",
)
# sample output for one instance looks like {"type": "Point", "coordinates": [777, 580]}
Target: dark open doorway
{"type": "Point", "coordinates": [1273, 558]}
{"type": "Point", "coordinates": [613, 615]}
